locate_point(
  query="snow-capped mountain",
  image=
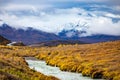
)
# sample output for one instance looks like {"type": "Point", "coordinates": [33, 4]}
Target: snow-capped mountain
{"type": "Point", "coordinates": [74, 30]}
{"type": "Point", "coordinates": [72, 33]}
{"type": "Point", "coordinates": [81, 31]}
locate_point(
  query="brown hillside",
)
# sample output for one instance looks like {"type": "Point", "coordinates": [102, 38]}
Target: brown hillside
{"type": "Point", "coordinates": [4, 41]}
{"type": "Point", "coordinates": [14, 67]}
{"type": "Point", "coordinates": [101, 60]}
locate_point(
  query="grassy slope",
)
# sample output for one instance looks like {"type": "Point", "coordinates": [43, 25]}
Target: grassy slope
{"type": "Point", "coordinates": [100, 60]}
{"type": "Point", "coordinates": [14, 67]}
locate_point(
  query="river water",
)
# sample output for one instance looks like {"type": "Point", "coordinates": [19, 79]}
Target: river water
{"type": "Point", "coordinates": [41, 66]}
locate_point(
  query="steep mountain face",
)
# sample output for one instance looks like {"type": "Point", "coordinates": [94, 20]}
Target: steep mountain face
{"type": "Point", "coordinates": [79, 35]}
{"type": "Point", "coordinates": [70, 36]}
{"type": "Point", "coordinates": [4, 41]}
{"type": "Point", "coordinates": [28, 36]}
{"type": "Point", "coordinates": [74, 31]}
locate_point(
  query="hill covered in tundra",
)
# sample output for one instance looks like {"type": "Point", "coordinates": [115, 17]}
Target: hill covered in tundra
{"type": "Point", "coordinates": [99, 60]}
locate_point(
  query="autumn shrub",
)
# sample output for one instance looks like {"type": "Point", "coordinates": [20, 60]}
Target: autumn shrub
{"type": "Point", "coordinates": [100, 60]}
{"type": "Point", "coordinates": [14, 67]}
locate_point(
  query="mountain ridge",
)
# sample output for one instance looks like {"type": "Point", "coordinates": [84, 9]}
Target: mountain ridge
{"type": "Point", "coordinates": [26, 36]}
{"type": "Point", "coordinates": [33, 36]}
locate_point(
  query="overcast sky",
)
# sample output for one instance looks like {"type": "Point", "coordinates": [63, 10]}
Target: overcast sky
{"type": "Point", "coordinates": [100, 16]}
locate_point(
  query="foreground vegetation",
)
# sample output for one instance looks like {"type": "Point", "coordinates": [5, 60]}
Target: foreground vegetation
{"type": "Point", "coordinates": [100, 60]}
{"type": "Point", "coordinates": [14, 67]}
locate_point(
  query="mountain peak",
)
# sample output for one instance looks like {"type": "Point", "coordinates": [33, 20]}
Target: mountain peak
{"type": "Point", "coordinates": [31, 36]}
{"type": "Point", "coordinates": [74, 30]}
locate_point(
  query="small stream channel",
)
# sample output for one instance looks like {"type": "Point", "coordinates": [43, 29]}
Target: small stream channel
{"type": "Point", "coordinates": [41, 66]}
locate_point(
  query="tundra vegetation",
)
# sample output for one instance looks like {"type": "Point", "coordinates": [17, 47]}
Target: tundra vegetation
{"type": "Point", "coordinates": [14, 67]}
{"type": "Point", "coordinates": [100, 60]}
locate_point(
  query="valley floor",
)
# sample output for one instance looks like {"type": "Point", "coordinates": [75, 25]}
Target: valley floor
{"type": "Point", "coordinates": [100, 60]}
{"type": "Point", "coordinates": [14, 67]}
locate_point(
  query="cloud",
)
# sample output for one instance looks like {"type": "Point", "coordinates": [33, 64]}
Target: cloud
{"type": "Point", "coordinates": [114, 2]}
{"type": "Point", "coordinates": [4, 2]}
{"type": "Point", "coordinates": [22, 7]}
{"type": "Point", "coordinates": [55, 3]}
{"type": "Point", "coordinates": [58, 19]}
{"type": "Point", "coordinates": [103, 25]}
{"type": "Point", "coordinates": [48, 16]}
{"type": "Point", "coordinates": [91, 0]}
{"type": "Point", "coordinates": [70, 34]}
{"type": "Point", "coordinates": [112, 15]}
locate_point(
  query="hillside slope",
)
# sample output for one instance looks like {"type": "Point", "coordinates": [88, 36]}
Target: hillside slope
{"type": "Point", "coordinates": [32, 36]}
{"type": "Point", "coordinates": [4, 41]}
{"type": "Point", "coordinates": [28, 36]}
{"type": "Point", "coordinates": [100, 60]}
{"type": "Point", "coordinates": [14, 67]}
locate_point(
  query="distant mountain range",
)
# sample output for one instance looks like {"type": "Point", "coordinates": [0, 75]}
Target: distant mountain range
{"type": "Point", "coordinates": [28, 36]}
{"type": "Point", "coordinates": [32, 36]}
{"type": "Point", "coordinates": [77, 35]}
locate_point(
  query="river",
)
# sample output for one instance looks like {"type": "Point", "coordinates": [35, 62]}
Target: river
{"type": "Point", "coordinates": [41, 66]}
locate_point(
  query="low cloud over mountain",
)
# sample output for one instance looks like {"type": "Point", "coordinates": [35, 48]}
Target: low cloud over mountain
{"type": "Point", "coordinates": [99, 16]}
{"type": "Point", "coordinates": [66, 36]}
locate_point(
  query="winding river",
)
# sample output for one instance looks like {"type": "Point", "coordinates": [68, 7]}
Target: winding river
{"type": "Point", "coordinates": [41, 66]}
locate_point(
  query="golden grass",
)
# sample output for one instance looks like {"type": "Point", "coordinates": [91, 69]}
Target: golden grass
{"type": "Point", "coordinates": [14, 67]}
{"type": "Point", "coordinates": [100, 60]}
